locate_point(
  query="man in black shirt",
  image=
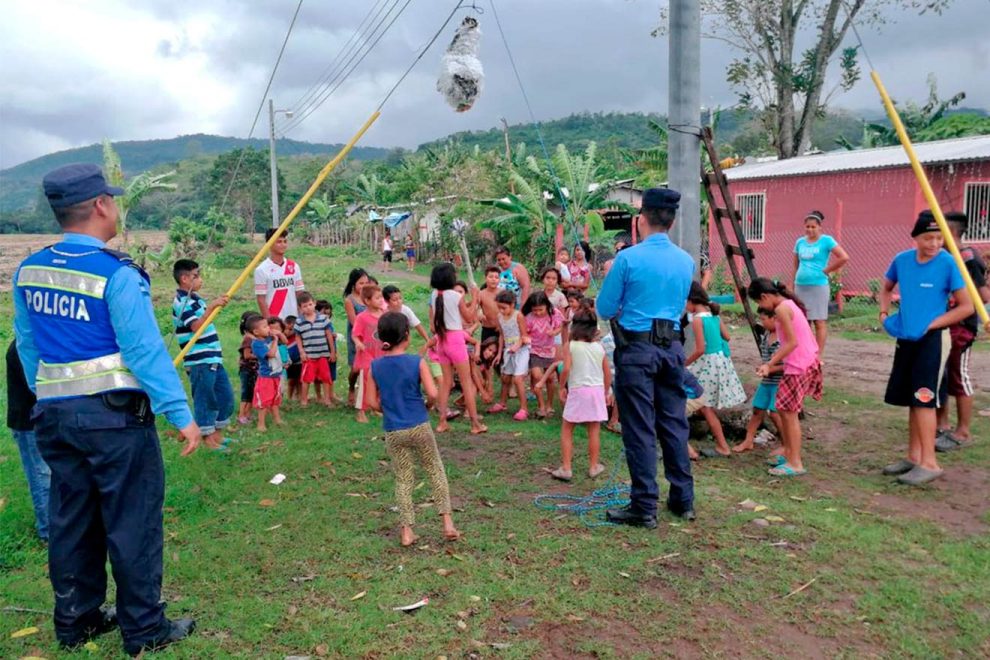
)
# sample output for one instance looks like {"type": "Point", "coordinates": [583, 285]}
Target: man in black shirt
{"type": "Point", "coordinates": [963, 335]}
{"type": "Point", "coordinates": [20, 401]}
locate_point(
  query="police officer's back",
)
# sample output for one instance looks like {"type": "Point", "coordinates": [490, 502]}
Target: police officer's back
{"type": "Point", "coordinates": [644, 294]}
{"type": "Point", "coordinates": [87, 337]}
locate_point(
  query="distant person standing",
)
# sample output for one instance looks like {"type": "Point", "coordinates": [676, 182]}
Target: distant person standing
{"type": "Point", "coordinates": [92, 351]}
{"type": "Point", "coordinates": [20, 401]}
{"type": "Point", "coordinates": [813, 263]}
{"type": "Point", "coordinates": [513, 277]}
{"type": "Point", "coordinates": [645, 294]}
{"type": "Point", "coordinates": [410, 252]}
{"type": "Point", "coordinates": [387, 251]}
{"type": "Point", "coordinates": [277, 280]}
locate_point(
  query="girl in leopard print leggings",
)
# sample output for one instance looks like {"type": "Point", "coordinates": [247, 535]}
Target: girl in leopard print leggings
{"type": "Point", "coordinates": [395, 389]}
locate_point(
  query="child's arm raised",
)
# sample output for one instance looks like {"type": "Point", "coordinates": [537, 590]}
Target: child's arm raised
{"type": "Point", "coordinates": [468, 310]}
{"type": "Point", "coordinates": [697, 326]}
{"type": "Point", "coordinates": [426, 380]}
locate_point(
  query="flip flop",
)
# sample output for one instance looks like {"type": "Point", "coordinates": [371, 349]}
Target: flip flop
{"type": "Point", "coordinates": [497, 408]}
{"type": "Point", "coordinates": [785, 470]}
{"type": "Point", "coordinates": [596, 470]}
{"type": "Point", "coordinates": [777, 460]}
{"type": "Point", "coordinates": [559, 473]}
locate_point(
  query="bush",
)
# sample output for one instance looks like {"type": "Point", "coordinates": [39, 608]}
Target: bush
{"type": "Point", "coordinates": [191, 237]}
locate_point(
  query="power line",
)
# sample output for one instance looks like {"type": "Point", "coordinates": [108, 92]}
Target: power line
{"type": "Point", "coordinates": [261, 105]}
{"type": "Point", "coordinates": [301, 118]}
{"type": "Point", "coordinates": [328, 73]}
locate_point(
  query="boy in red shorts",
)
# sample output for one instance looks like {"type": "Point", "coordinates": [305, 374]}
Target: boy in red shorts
{"type": "Point", "coordinates": [268, 388]}
{"type": "Point", "coordinates": [314, 337]}
{"type": "Point", "coordinates": [927, 277]}
{"type": "Point", "coordinates": [963, 335]}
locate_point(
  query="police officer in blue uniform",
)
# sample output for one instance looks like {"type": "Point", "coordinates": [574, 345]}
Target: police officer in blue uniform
{"type": "Point", "coordinates": [91, 349]}
{"type": "Point", "coordinates": [644, 295]}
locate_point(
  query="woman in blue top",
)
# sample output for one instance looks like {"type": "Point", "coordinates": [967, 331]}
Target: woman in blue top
{"type": "Point", "coordinates": [816, 255]}
{"type": "Point", "coordinates": [395, 389]}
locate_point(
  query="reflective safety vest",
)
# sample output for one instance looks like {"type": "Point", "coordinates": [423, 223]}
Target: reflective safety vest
{"type": "Point", "coordinates": [64, 286]}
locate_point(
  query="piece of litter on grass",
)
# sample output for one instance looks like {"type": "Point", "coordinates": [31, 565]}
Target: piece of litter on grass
{"type": "Point", "coordinates": [475, 599]}
{"type": "Point", "coordinates": [266, 502]}
{"type": "Point", "coordinates": [443, 572]}
{"type": "Point", "coordinates": [516, 435]}
{"type": "Point", "coordinates": [356, 455]}
{"type": "Point", "coordinates": [798, 499]}
{"type": "Point", "coordinates": [774, 519]}
{"type": "Point", "coordinates": [355, 494]}
{"type": "Point", "coordinates": [489, 504]}
{"type": "Point", "coordinates": [802, 587]}
{"type": "Point", "coordinates": [624, 574]}
{"type": "Point", "coordinates": [663, 558]}
{"type": "Point", "coordinates": [463, 614]}
{"type": "Point", "coordinates": [277, 479]}
{"type": "Point", "coordinates": [831, 509]}
{"type": "Point", "coordinates": [410, 608]}
{"type": "Point", "coordinates": [304, 578]}
{"type": "Point", "coordinates": [359, 595]}
{"type": "Point", "coordinates": [478, 474]}
{"type": "Point", "coordinates": [91, 647]}
{"type": "Point", "coordinates": [273, 527]}
{"type": "Point", "coordinates": [760, 507]}
{"type": "Point", "coordinates": [501, 646]}
{"type": "Point", "coordinates": [573, 618]}
{"type": "Point", "coordinates": [458, 557]}
{"type": "Point", "coordinates": [461, 624]}
{"type": "Point", "coordinates": [24, 632]}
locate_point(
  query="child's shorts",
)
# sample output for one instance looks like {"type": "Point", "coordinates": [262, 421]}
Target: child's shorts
{"type": "Point", "coordinates": [410, 254]}
{"type": "Point", "coordinates": [918, 376]}
{"type": "Point", "coordinates": [960, 382]}
{"type": "Point", "coordinates": [794, 388]}
{"type": "Point", "coordinates": [537, 362]}
{"type": "Point", "coordinates": [268, 392]}
{"type": "Point", "coordinates": [294, 371]}
{"type": "Point", "coordinates": [766, 397]}
{"type": "Point", "coordinates": [452, 349]}
{"type": "Point", "coordinates": [516, 364]}
{"type": "Point", "coordinates": [316, 370]}
{"type": "Point", "coordinates": [248, 379]}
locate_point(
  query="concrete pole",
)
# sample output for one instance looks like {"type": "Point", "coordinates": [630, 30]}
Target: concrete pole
{"type": "Point", "coordinates": [684, 103]}
{"type": "Point", "coordinates": [272, 164]}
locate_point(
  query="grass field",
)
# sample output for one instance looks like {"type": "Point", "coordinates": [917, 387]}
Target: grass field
{"type": "Point", "coordinates": [844, 563]}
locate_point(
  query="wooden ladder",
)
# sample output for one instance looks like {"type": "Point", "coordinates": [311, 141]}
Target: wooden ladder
{"type": "Point", "coordinates": [715, 180]}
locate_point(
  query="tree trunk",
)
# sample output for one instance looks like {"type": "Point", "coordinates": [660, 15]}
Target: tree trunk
{"type": "Point", "coordinates": [785, 82]}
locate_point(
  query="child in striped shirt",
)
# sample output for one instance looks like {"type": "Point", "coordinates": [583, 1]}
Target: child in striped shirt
{"type": "Point", "coordinates": [314, 337]}
{"type": "Point", "coordinates": [213, 396]}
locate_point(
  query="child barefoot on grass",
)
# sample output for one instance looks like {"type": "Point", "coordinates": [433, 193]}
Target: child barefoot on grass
{"type": "Point", "coordinates": [247, 368]}
{"type": "Point", "coordinates": [513, 345]}
{"type": "Point", "coordinates": [544, 324]}
{"type": "Point", "coordinates": [585, 393]}
{"type": "Point", "coordinates": [482, 368]}
{"type": "Point", "coordinates": [268, 388]}
{"type": "Point", "coordinates": [765, 399]}
{"type": "Point", "coordinates": [395, 388]}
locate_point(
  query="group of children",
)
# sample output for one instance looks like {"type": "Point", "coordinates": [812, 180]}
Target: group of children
{"type": "Point", "coordinates": [548, 347]}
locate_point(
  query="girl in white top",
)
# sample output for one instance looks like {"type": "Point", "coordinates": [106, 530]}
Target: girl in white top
{"type": "Point", "coordinates": [585, 394]}
{"type": "Point", "coordinates": [387, 251]}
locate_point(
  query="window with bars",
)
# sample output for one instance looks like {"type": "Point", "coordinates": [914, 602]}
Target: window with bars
{"type": "Point", "coordinates": [752, 210]}
{"type": "Point", "coordinates": [977, 209]}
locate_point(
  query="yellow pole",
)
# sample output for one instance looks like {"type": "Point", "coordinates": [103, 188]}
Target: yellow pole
{"type": "Point", "coordinates": [300, 205]}
{"type": "Point", "coordinates": [929, 194]}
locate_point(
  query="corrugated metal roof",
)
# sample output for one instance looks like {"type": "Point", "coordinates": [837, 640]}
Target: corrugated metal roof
{"type": "Point", "coordinates": [941, 151]}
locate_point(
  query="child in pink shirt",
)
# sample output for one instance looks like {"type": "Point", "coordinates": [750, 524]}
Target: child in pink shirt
{"type": "Point", "coordinates": [369, 347]}
{"type": "Point", "coordinates": [544, 323]}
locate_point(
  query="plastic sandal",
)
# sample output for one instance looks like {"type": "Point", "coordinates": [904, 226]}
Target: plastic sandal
{"type": "Point", "coordinates": [777, 461]}
{"type": "Point", "coordinates": [521, 416]}
{"type": "Point", "coordinates": [785, 470]}
{"type": "Point", "coordinates": [596, 470]}
{"type": "Point", "coordinates": [497, 408]}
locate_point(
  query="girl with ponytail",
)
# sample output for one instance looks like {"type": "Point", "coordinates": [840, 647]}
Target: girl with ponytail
{"type": "Point", "coordinates": [798, 353]}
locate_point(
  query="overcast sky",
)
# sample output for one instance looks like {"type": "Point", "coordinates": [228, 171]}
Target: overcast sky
{"type": "Point", "coordinates": [75, 71]}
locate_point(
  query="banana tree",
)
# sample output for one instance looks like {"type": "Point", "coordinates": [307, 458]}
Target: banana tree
{"type": "Point", "coordinates": [526, 225]}
{"type": "Point", "coordinates": [135, 189]}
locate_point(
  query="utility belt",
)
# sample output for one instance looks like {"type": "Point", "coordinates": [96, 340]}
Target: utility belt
{"type": "Point", "coordinates": [662, 334]}
{"type": "Point", "coordinates": [129, 401]}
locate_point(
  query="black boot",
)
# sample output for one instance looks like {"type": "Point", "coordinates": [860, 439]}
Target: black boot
{"type": "Point", "coordinates": [174, 631]}
{"type": "Point", "coordinates": [628, 516]}
{"type": "Point", "coordinates": [103, 622]}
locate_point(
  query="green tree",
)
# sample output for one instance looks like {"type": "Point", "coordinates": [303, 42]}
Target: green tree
{"type": "Point", "coordinates": [772, 76]}
{"type": "Point", "coordinates": [135, 189]}
{"type": "Point", "coordinates": [524, 220]}
{"type": "Point", "coordinates": [250, 196]}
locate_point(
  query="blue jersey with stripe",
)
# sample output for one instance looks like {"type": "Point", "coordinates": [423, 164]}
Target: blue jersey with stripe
{"type": "Point", "coordinates": [187, 308]}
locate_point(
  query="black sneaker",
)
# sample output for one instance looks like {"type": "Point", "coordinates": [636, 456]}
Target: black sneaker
{"type": "Point", "coordinates": [103, 622]}
{"type": "Point", "coordinates": [627, 516]}
{"type": "Point", "coordinates": [174, 631]}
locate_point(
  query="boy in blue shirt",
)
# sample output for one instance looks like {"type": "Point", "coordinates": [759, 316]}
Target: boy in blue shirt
{"type": "Point", "coordinates": [213, 396]}
{"type": "Point", "coordinates": [268, 388]}
{"type": "Point", "coordinates": [927, 277]}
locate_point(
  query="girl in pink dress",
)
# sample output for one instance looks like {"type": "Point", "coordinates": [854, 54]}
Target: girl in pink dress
{"type": "Point", "coordinates": [366, 342]}
{"type": "Point", "coordinates": [544, 324]}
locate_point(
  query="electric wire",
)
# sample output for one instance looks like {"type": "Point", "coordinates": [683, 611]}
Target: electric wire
{"type": "Point", "coordinates": [305, 109]}
{"type": "Point", "coordinates": [295, 122]}
{"type": "Point", "coordinates": [338, 58]}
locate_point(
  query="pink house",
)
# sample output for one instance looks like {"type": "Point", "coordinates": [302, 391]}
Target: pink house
{"type": "Point", "coordinates": [870, 199]}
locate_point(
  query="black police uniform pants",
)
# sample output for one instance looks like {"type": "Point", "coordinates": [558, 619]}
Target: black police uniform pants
{"type": "Point", "coordinates": [649, 389]}
{"type": "Point", "coordinates": [108, 485]}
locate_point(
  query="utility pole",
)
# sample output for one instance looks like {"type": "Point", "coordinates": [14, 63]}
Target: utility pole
{"type": "Point", "coordinates": [508, 152]}
{"type": "Point", "coordinates": [683, 137]}
{"type": "Point", "coordinates": [273, 165]}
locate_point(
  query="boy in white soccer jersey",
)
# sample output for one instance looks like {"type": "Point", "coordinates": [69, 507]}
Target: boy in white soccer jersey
{"type": "Point", "coordinates": [277, 280]}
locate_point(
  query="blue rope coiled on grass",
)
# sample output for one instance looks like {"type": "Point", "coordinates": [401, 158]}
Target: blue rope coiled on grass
{"type": "Point", "coordinates": [590, 509]}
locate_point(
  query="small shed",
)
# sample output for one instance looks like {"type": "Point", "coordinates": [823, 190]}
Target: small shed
{"type": "Point", "coordinates": [870, 199]}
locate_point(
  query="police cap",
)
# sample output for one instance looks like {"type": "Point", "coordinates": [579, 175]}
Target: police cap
{"type": "Point", "coordinates": [661, 198]}
{"type": "Point", "coordinates": [75, 183]}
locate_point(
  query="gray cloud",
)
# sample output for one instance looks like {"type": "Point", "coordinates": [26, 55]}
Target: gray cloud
{"type": "Point", "coordinates": [185, 66]}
